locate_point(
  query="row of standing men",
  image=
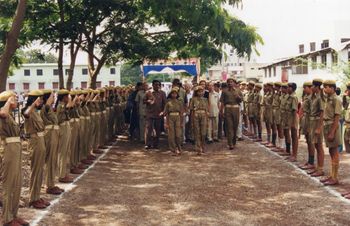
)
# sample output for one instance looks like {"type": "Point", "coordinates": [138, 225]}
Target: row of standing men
{"type": "Point", "coordinates": [64, 130]}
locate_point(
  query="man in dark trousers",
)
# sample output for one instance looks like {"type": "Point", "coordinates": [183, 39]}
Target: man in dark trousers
{"type": "Point", "coordinates": [131, 109]}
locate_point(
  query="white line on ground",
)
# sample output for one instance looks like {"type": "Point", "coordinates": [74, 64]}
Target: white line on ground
{"type": "Point", "coordinates": [317, 181]}
{"type": "Point", "coordinates": [67, 188]}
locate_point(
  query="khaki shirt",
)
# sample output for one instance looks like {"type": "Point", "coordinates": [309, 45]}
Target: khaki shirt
{"type": "Point", "coordinates": [332, 108]}
{"type": "Point", "coordinates": [276, 101]}
{"type": "Point", "coordinates": [283, 102]}
{"type": "Point", "coordinates": [268, 99]}
{"type": "Point", "coordinates": [34, 123]}
{"type": "Point", "coordinates": [307, 106]}
{"type": "Point", "coordinates": [173, 106]}
{"type": "Point", "coordinates": [62, 113]}
{"type": "Point", "coordinates": [257, 101]}
{"type": "Point", "coordinates": [316, 105]}
{"type": "Point", "coordinates": [199, 103]}
{"type": "Point", "coordinates": [154, 110]}
{"type": "Point", "coordinates": [9, 127]}
{"type": "Point", "coordinates": [292, 103]}
{"type": "Point", "coordinates": [233, 96]}
{"type": "Point", "coordinates": [48, 115]}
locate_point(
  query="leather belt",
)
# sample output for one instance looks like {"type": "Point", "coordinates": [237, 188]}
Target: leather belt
{"type": "Point", "coordinates": [232, 105]}
{"type": "Point", "coordinates": [40, 134]}
{"type": "Point", "coordinates": [49, 127]}
{"type": "Point", "coordinates": [93, 113]}
{"type": "Point", "coordinates": [9, 140]}
{"type": "Point", "coordinates": [64, 123]}
{"type": "Point", "coordinates": [314, 117]}
{"type": "Point", "coordinates": [200, 111]}
{"type": "Point", "coordinates": [174, 113]}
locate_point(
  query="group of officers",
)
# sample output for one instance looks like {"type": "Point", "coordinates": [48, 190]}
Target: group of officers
{"type": "Point", "coordinates": [64, 130]}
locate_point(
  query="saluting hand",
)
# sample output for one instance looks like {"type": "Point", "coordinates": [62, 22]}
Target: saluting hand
{"type": "Point", "coordinates": [50, 100]}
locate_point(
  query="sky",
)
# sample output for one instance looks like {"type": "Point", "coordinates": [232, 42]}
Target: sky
{"type": "Point", "coordinates": [284, 24]}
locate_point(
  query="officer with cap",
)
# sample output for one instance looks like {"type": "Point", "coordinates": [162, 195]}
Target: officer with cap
{"type": "Point", "coordinates": [51, 141]}
{"type": "Point", "coordinates": [35, 128]}
{"type": "Point", "coordinates": [173, 111]}
{"type": "Point", "coordinates": [257, 111]}
{"type": "Point", "coordinates": [12, 160]}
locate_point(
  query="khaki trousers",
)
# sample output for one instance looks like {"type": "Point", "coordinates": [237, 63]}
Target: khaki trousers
{"type": "Point", "coordinates": [64, 149]}
{"type": "Point", "coordinates": [142, 120]}
{"type": "Point", "coordinates": [38, 155]}
{"type": "Point", "coordinates": [82, 137]}
{"type": "Point", "coordinates": [174, 132]}
{"type": "Point", "coordinates": [200, 130]}
{"type": "Point", "coordinates": [11, 180]}
{"type": "Point", "coordinates": [97, 130]}
{"type": "Point", "coordinates": [51, 143]}
{"type": "Point", "coordinates": [74, 144]}
{"type": "Point", "coordinates": [232, 121]}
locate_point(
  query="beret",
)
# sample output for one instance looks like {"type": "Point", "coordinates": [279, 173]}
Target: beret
{"type": "Point", "coordinates": [329, 82]}
{"type": "Point", "coordinates": [36, 93]}
{"type": "Point", "coordinates": [62, 92]}
{"type": "Point", "coordinates": [4, 96]}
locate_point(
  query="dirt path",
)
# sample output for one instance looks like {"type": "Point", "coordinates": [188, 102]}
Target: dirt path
{"type": "Point", "coordinates": [248, 186]}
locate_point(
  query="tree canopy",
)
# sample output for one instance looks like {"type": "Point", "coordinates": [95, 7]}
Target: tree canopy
{"type": "Point", "coordinates": [111, 31]}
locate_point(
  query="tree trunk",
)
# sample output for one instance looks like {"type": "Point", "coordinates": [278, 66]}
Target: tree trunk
{"type": "Point", "coordinates": [61, 48]}
{"type": "Point", "coordinates": [74, 49]}
{"type": "Point", "coordinates": [12, 42]}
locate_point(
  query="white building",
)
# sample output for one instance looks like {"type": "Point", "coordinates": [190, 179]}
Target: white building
{"type": "Point", "coordinates": [45, 76]}
{"type": "Point", "coordinates": [318, 60]}
{"type": "Point", "coordinates": [238, 67]}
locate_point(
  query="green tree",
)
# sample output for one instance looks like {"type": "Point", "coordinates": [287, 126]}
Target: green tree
{"type": "Point", "coordinates": [130, 74]}
{"type": "Point", "coordinates": [37, 56]}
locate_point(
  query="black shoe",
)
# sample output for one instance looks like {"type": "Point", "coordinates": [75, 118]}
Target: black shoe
{"type": "Point", "coordinates": [216, 140]}
{"type": "Point", "coordinates": [148, 147]}
{"type": "Point", "coordinates": [209, 142]}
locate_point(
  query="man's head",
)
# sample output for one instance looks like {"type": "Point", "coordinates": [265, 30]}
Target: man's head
{"type": "Point", "coordinates": [156, 85]}
{"type": "Point", "coordinates": [307, 88]}
{"type": "Point", "coordinates": [211, 86]}
{"type": "Point", "coordinates": [316, 85]}
{"type": "Point", "coordinates": [231, 82]}
{"type": "Point", "coordinates": [292, 87]}
{"type": "Point", "coordinates": [203, 83]}
{"type": "Point", "coordinates": [217, 87]}
{"type": "Point", "coordinates": [329, 86]}
{"type": "Point", "coordinates": [176, 82]}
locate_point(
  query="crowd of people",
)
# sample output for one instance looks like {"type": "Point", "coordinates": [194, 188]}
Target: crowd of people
{"type": "Point", "coordinates": [65, 130]}
{"type": "Point", "coordinates": [204, 113]}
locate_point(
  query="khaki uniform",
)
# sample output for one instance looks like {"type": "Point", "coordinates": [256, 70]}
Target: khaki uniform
{"type": "Point", "coordinates": [51, 142]}
{"type": "Point", "coordinates": [332, 108]}
{"type": "Point", "coordinates": [284, 110]}
{"type": "Point", "coordinates": [250, 102]}
{"type": "Point", "coordinates": [257, 106]}
{"type": "Point", "coordinates": [199, 109]}
{"type": "Point", "coordinates": [305, 121]}
{"type": "Point", "coordinates": [74, 138]}
{"type": "Point", "coordinates": [34, 126]}
{"type": "Point", "coordinates": [173, 110]}
{"type": "Point", "coordinates": [317, 106]}
{"type": "Point", "coordinates": [276, 112]}
{"type": "Point", "coordinates": [97, 134]}
{"type": "Point", "coordinates": [86, 139]}
{"type": "Point", "coordinates": [82, 144]}
{"type": "Point", "coordinates": [291, 109]}
{"type": "Point", "coordinates": [231, 99]}
{"type": "Point", "coordinates": [103, 122]}
{"type": "Point", "coordinates": [64, 139]}
{"type": "Point", "coordinates": [111, 116]}
{"type": "Point", "coordinates": [267, 104]}
{"type": "Point", "coordinates": [347, 124]}
{"type": "Point", "coordinates": [11, 168]}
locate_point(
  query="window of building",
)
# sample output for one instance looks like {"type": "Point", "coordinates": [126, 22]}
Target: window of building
{"type": "Point", "coordinates": [55, 85]}
{"type": "Point", "coordinates": [98, 84]}
{"type": "Point", "coordinates": [26, 72]}
{"type": "Point", "coordinates": [312, 46]}
{"type": "Point", "coordinates": [324, 60]}
{"type": "Point", "coordinates": [314, 62]}
{"type": "Point", "coordinates": [112, 70]}
{"type": "Point", "coordinates": [334, 58]}
{"type": "Point", "coordinates": [301, 48]}
{"type": "Point", "coordinates": [325, 44]}
{"type": "Point", "coordinates": [67, 71]}
{"type": "Point", "coordinates": [39, 72]}
{"type": "Point", "coordinates": [269, 72]}
{"type": "Point", "coordinates": [26, 86]}
{"type": "Point", "coordinates": [274, 71]}
{"type": "Point", "coordinates": [84, 71]}
{"type": "Point", "coordinates": [41, 85]}
{"type": "Point", "coordinates": [300, 68]}
{"type": "Point", "coordinates": [12, 86]}
{"type": "Point", "coordinates": [55, 71]}
{"type": "Point", "coordinates": [265, 72]}
{"type": "Point", "coordinates": [83, 85]}
{"type": "Point", "coordinates": [111, 83]}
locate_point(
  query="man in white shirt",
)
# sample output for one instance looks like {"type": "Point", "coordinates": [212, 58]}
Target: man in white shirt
{"type": "Point", "coordinates": [141, 107]}
{"type": "Point", "coordinates": [188, 133]}
{"type": "Point", "coordinates": [214, 103]}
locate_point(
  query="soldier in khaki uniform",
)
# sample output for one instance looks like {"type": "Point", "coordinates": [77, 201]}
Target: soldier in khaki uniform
{"type": "Point", "coordinates": [267, 112]}
{"type": "Point", "coordinates": [346, 107]}
{"type": "Point", "coordinates": [12, 160]}
{"type": "Point", "coordinates": [86, 137]}
{"type": "Point", "coordinates": [284, 120]}
{"type": "Point", "coordinates": [74, 138]}
{"type": "Point", "coordinates": [250, 109]}
{"type": "Point", "coordinates": [316, 125]}
{"type": "Point", "coordinates": [62, 106]}
{"type": "Point", "coordinates": [230, 100]}
{"type": "Point", "coordinates": [199, 108]}
{"type": "Point", "coordinates": [292, 119]}
{"type": "Point", "coordinates": [51, 142]}
{"type": "Point", "coordinates": [83, 128]}
{"type": "Point", "coordinates": [277, 131]}
{"type": "Point", "coordinates": [173, 112]}
{"type": "Point", "coordinates": [331, 130]}
{"type": "Point", "coordinates": [35, 128]}
{"type": "Point", "coordinates": [306, 127]}
{"type": "Point", "coordinates": [257, 110]}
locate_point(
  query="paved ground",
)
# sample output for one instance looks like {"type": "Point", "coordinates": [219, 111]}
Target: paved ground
{"type": "Point", "coordinates": [248, 186]}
